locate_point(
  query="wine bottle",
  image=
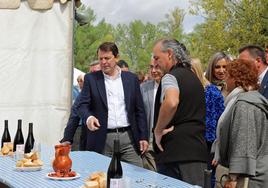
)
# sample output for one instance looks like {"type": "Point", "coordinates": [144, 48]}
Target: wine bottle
{"type": "Point", "coordinates": [18, 140]}
{"type": "Point", "coordinates": [6, 135]}
{"type": "Point", "coordinates": [207, 178]}
{"type": "Point", "coordinates": [115, 173]}
{"type": "Point", "coordinates": [30, 140]}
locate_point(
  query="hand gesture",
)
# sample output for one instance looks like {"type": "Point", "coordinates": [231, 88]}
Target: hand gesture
{"type": "Point", "coordinates": [93, 123]}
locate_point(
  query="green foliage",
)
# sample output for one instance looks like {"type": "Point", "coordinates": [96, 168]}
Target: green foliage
{"type": "Point", "coordinates": [135, 40]}
{"type": "Point", "coordinates": [173, 24]}
{"type": "Point", "coordinates": [88, 38]}
{"type": "Point", "coordinates": [229, 25]}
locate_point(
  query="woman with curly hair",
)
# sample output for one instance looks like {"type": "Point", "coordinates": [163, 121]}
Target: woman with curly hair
{"type": "Point", "coordinates": [216, 70]}
{"type": "Point", "coordinates": [242, 131]}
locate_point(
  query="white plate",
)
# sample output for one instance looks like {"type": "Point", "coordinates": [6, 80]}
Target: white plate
{"type": "Point", "coordinates": [63, 178]}
{"type": "Point", "coordinates": [28, 169]}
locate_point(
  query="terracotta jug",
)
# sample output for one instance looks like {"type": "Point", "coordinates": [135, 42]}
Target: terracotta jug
{"type": "Point", "coordinates": [62, 163]}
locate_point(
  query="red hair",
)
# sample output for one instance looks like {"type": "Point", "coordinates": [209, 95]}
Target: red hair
{"type": "Point", "coordinates": [244, 73]}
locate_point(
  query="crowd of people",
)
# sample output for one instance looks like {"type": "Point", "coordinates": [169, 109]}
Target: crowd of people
{"type": "Point", "coordinates": [181, 120]}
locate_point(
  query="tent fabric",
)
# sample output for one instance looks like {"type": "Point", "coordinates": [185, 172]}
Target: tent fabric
{"type": "Point", "coordinates": [36, 69]}
{"type": "Point", "coordinates": [9, 4]}
{"type": "Point", "coordinates": [40, 4]}
{"type": "Point", "coordinates": [34, 4]}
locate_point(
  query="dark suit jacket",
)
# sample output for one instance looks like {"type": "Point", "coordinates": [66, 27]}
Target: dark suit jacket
{"type": "Point", "coordinates": [264, 86]}
{"type": "Point", "coordinates": [93, 101]}
{"type": "Point", "coordinates": [72, 125]}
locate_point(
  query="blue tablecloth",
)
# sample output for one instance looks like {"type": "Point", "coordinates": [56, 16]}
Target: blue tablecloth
{"type": "Point", "coordinates": [84, 163]}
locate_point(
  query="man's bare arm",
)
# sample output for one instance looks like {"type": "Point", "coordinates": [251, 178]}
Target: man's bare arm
{"type": "Point", "coordinates": [168, 108]}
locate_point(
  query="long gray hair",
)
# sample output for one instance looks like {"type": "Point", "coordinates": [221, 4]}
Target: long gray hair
{"type": "Point", "coordinates": [180, 53]}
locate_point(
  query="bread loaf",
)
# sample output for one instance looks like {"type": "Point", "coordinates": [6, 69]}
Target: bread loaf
{"type": "Point", "coordinates": [91, 184]}
{"type": "Point", "coordinates": [98, 178]}
{"type": "Point", "coordinates": [30, 160]}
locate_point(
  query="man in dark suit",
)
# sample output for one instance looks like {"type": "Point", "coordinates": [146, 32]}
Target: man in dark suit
{"type": "Point", "coordinates": [112, 107]}
{"type": "Point", "coordinates": [257, 55]}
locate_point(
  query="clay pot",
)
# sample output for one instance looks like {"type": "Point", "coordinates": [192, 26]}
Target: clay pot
{"type": "Point", "coordinates": [62, 163]}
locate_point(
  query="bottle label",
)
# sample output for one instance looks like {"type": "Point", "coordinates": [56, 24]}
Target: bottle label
{"type": "Point", "coordinates": [116, 183]}
{"type": "Point", "coordinates": [19, 151]}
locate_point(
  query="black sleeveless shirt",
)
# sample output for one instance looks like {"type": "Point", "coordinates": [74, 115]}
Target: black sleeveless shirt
{"type": "Point", "coordinates": [186, 143]}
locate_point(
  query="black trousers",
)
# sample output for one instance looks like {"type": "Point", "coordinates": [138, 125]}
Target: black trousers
{"type": "Point", "coordinates": [190, 172]}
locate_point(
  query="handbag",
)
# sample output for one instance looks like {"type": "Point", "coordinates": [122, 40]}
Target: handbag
{"type": "Point", "coordinates": [222, 174]}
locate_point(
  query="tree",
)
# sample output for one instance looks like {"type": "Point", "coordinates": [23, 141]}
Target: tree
{"type": "Point", "coordinates": [135, 42]}
{"type": "Point", "coordinates": [229, 24]}
{"type": "Point", "coordinates": [173, 25]}
{"type": "Point", "coordinates": [87, 39]}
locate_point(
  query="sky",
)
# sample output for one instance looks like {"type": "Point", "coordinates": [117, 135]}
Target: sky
{"type": "Point", "coordinates": [125, 11]}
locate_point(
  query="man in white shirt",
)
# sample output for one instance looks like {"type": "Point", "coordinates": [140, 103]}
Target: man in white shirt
{"type": "Point", "coordinates": [257, 55]}
{"type": "Point", "coordinates": [112, 107]}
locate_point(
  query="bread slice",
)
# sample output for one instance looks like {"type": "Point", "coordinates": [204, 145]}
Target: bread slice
{"type": "Point", "coordinates": [38, 162]}
{"type": "Point", "coordinates": [5, 150]}
{"type": "Point", "coordinates": [102, 182]}
{"type": "Point", "coordinates": [19, 164]}
{"type": "Point", "coordinates": [29, 164]}
{"type": "Point", "coordinates": [28, 155]}
{"type": "Point", "coordinates": [91, 184]}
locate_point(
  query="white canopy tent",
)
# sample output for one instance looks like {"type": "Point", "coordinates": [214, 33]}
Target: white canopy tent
{"type": "Point", "coordinates": [36, 58]}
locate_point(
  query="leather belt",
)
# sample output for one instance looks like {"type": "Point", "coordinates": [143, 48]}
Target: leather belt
{"type": "Point", "coordinates": [121, 130]}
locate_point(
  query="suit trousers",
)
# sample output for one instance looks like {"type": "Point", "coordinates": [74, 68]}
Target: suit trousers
{"type": "Point", "coordinates": [148, 160]}
{"type": "Point", "coordinates": [127, 147]}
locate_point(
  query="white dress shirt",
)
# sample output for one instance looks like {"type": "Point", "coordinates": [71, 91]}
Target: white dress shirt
{"type": "Point", "coordinates": [117, 114]}
{"type": "Point", "coordinates": [262, 75]}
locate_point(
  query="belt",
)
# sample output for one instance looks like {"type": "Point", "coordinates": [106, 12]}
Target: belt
{"type": "Point", "coordinates": [121, 130]}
